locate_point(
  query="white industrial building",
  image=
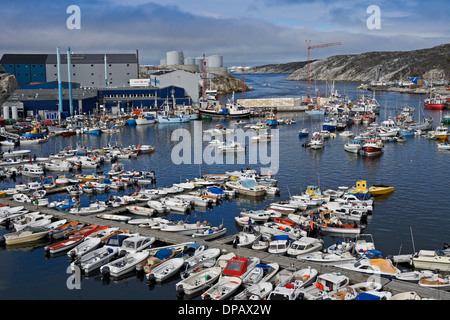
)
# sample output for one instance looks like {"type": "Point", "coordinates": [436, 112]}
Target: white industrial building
{"type": "Point", "coordinates": [191, 82]}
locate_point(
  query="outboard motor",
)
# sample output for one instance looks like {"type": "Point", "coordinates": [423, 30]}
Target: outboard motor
{"type": "Point", "coordinates": [105, 272]}
{"type": "Point", "coordinates": [180, 291]}
{"type": "Point", "coordinates": [151, 278]}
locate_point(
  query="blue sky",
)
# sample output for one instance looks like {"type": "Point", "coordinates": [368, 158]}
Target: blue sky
{"type": "Point", "coordinates": [253, 32]}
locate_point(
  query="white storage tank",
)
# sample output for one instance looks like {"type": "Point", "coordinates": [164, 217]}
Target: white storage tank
{"type": "Point", "coordinates": [189, 61]}
{"type": "Point", "coordinates": [174, 58]}
{"type": "Point", "coordinates": [6, 112]}
{"type": "Point", "coordinates": [199, 62]}
{"type": "Point", "coordinates": [162, 62]}
{"type": "Point", "coordinates": [15, 112]}
{"type": "Point", "coordinates": [215, 61]}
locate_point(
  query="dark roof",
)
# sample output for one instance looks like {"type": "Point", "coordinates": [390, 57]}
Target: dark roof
{"type": "Point", "coordinates": [97, 58]}
{"type": "Point", "coordinates": [11, 58]}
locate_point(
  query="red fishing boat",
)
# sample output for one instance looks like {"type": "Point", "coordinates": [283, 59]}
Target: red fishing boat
{"type": "Point", "coordinates": [372, 148]}
{"type": "Point", "coordinates": [436, 103]}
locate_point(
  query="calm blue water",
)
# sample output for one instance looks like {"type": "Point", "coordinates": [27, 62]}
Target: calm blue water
{"type": "Point", "coordinates": [417, 169]}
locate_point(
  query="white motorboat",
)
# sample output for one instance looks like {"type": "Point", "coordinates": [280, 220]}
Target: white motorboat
{"type": "Point", "coordinates": [202, 255]}
{"type": "Point", "coordinates": [88, 244]}
{"type": "Point", "coordinates": [95, 259]}
{"type": "Point", "coordinates": [431, 260]}
{"type": "Point", "coordinates": [279, 245]}
{"type": "Point", "coordinates": [176, 205]}
{"type": "Point", "coordinates": [272, 228]}
{"type": "Point", "coordinates": [196, 200]}
{"type": "Point", "coordinates": [327, 259]}
{"type": "Point", "coordinates": [198, 281]}
{"type": "Point", "coordinates": [246, 238]}
{"type": "Point", "coordinates": [260, 273]}
{"type": "Point", "coordinates": [137, 243]}
{"type": "Point", "coordinates": [116, 169]}
{"type": "Point", "coordinates": [352, 291]}
{"type": "Point", "coordinates": [325, 284]}
{"type": "Point", "coordinates": [114, 217]}
{"type": "Point", "coordinates": [353, 146]}
{"type": "Point", "coordinates": [375, 266]}
{"type": "Point", "coordinates": [124, 265]}
{"type": "Point", "coordinates": [256, 215]}
{"type": "Point", "coordinates": [26, 235]}
{"type": "Point", "coordinates": [83, 211]}
{"type": "Point", "coordinates": [231, 147]}
{"type": "Point", "coordinates": [304, 245]}
{"type": "Point", "coordinates": [261, 244]}
{"type": "Point", "coordinates": [435, 281]}
{"type": "Point", "coordinates": [158, 206]}
{"type": "Point", "coordinates": [31, 170]}
{"type": "Point", "coordinates": [184, 228]}
{"type": "Point", "coordinates": [22, 198]}
{"type": "Point", "coordinates": [249, 187]}
{"type": "Point", "coordinates": [414, 276]}
{"type": "Point", "coordinates": [210, 234]}
{"type": "Point", "coordinates": [165, 270]}
{"type": "Point", "coordinates": [258, 291]}
{"type": "Point", "coordinates": [317, 141]}
{"type": "Point", "coordinates": [408, 295]}
{"type": "Point", "coordinates": [289, 283]}
{"type": "Point", "coordinates": [347, 134]}
{"type": "Point", "coordinates": [222, 289]}
{"type": "Point", "coordinates": [141, 211]}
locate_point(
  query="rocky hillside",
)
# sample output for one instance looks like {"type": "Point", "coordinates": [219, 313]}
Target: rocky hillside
{"type": "Point", "coordinates": [8, 84]}
{"type": "Point", "coordinates": [391, 65]}
{"type": "Point", "coordinates": [275, 68]}
{"type": "Point", "coordinates": [227, 84]}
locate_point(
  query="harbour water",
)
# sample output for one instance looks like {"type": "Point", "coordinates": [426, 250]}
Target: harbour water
{"type": "Point", "coordinates": [416, 216]}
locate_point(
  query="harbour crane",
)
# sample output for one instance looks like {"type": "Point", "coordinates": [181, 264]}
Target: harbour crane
{"type": "Point", "coordinates": [310, 47]}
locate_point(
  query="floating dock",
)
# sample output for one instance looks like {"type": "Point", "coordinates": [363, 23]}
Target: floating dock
{"type": "Point", "coordinates": [277, 104]}
{"type": "Point", "coordinates": [225, 244]}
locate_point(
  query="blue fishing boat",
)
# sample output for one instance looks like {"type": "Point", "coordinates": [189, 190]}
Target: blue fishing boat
{"type": "Point", "coordinates": [271, 120]}
{"type": "Point", "coordinates": [329, 124]}
{"type": "Point", "coordinates": [303, 133]}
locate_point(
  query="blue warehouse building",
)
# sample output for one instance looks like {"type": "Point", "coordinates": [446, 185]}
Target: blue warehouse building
{"type": "Point", "coordinates": [43, 99]}
{"type": "Point", "coordinates": [152, 98]}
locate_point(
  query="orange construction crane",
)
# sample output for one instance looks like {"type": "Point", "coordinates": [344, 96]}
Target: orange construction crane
{"type": "Point", "coordinates": [309, 46]}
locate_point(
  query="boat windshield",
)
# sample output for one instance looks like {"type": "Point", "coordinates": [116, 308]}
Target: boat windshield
{"type": "Point", "coordinates": [249, 183]}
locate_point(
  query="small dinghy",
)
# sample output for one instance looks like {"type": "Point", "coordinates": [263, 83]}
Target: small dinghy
{"type": "Point", "coordinates": [158, 206]}
{"type": "Point", "coordinates": [87, 245]}
{"type": "Point", "coordinates": [222, 289]}
{"type": "Point", "coordinates": [258, 291]}
{"type": "Point", "coordinates": [198, 281]}
{"type": "Point", "coordinates": [210, 234]}
{"type": "Point", "coordinates": [141, 211]}
{"type": "Point", "coordinates": [260, 273]}
{"type": "Point", "coordinates": [165, 270]}
{"type": "Point", "coordinates": [435, 281]}
{"type": "Point", "coordinates": [95, 259]}
{"type": "Point", "coordinates": [122, 266]}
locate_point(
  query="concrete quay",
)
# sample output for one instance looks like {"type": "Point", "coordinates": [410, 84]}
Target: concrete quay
{"type": "Point", "coordinates": [225, 244]}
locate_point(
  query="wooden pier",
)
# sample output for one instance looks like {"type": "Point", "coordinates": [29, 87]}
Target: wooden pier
{"type": "Point", "coordinates": [225, 244]}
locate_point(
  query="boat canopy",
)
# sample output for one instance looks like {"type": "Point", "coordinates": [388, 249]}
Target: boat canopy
{"type": "Point", "coordinates": [216, 190]}
{"type": "Point", "coordinates": [164, 253]}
